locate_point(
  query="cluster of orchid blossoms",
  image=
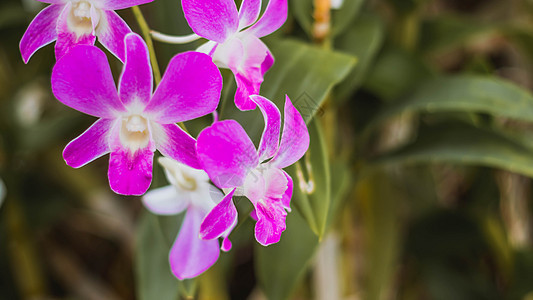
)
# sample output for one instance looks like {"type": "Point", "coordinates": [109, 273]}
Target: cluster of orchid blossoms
{"type": "Point", "coordinates": [205, 173]}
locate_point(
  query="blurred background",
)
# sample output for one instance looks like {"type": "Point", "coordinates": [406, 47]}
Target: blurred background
{"type": "Point", "coordinates": [417, 184]}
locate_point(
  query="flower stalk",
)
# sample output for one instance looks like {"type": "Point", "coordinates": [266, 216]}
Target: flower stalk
{"type": "Point", "coordinates": [145, 29]}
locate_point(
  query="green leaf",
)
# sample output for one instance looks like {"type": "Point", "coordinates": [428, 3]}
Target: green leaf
{"type": "Point", "coordinates": [280, 267]}
{"type": "Point", "coordinates": [154, 278]}
{"type": "Point", "coordinates": [467, 93]}
{"type": "Point", "coordinates": [447, 32]}
{"type": "Point", "coordinates": [305, 73]}
{"type": "Point", "coordinates": [363, 39]}
{"type": "Point", "coordinates": [463, 144]}
{"type": "Point", "coordinates": [340, 18]}
{"type": "Point", "coordinates": [387, 77]}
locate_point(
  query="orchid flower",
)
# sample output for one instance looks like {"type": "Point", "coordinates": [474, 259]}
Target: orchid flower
{"type": "Point", "coordinates": [191, 192]}
{"type": "Point", "coordinates": [134, 123]}
{"type": "Point", "coordinates": [78, 22]}
{"type": "Point", "coordinates": [232, 162]}
{"type": "Point", "coordinates": [234, 38]}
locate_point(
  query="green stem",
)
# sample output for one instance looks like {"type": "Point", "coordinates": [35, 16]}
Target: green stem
{"type": "Point", "coordinates": [148, 38]}
{"type": "Point", "coordinates": [145, 29]}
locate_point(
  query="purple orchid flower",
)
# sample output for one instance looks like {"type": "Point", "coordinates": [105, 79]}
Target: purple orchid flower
{"type": "Point", "coordinates": [78, 22]}
{"type": "Point", "coordinates": [234, 39]}
{"type": "Point", "coordinates": [189, 256]}
{"type": "Point", "coordinates": [230, 159]}
{"type": "Point", "coordinates": [134, 123]}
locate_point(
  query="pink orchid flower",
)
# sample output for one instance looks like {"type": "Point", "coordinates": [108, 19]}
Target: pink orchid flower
{"type": "Point", "coordinates": [234, 39]}
{"type": "Point", "coordinates": [189, 256]}
{"type": "Point", "coordinates": [134, 123]}
{"type": "Point", "coordinates": [78, 22]}
{"type": "Point", "coordinates": [230, 159]}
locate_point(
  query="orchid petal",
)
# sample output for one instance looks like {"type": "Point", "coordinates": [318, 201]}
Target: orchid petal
{"type": "Point", "coordinates": [119, 4]}
{"type": "Point", "coordinates": [221, 218]}
{"type": "Point", "coordinates": [66, 38]}
{"type": "Point", "coordinates": [286, 199]}
{"type": "Point", "coordinates": [249, 72]}
{"type": "Point", "coordinates": [40, 32]}
{"type": "Point", "coordinates": [267, 62]}
{"type": "Point", "coordinates": [111, 33]}
{"type": "Point", "coordinates": [190, 256]}
{"type": "Point", "coordinates": [165, 201]}
{"type": "Point", "coordinates": [275, 15]}
{"type": "Point", "coordinates": [189, 89]}
{"type": "Point", "coordinates": [82, 80]}
{"type": "Point", "coordinates": [245, 88]}
{"type": "Point", "coordinates": [95, 18]}
{"type": "Point", "coordinates": [130, 173]}
{"type": "Point", "coordinates": [226, 153]}
{"type": "Point", "coordinates": [90, 145]}
{"type": "Point", "coordinates": [254, 186]}
{"type": "Point", "coordinates": [175, 143]}
{"type": "Point", "coordinates": [275, 182]}
{"type": "Point", "coordinates": [270, 138]}
{"type": "Point", "coordinates": [271, 224]}
{"type": "Point", "coordinates": [135, 85]}
{"type": "Point", "coordinates": [249, 12]}
{"type": "Point", "coordinates": [214, 20]}
{"type": "Point", "coordinates": [294, 140]}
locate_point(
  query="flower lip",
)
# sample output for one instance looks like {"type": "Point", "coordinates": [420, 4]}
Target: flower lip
{"type": "Point", "coordinates": [134, 132]}
{"type": "Point", "coordinates": [80, 18]}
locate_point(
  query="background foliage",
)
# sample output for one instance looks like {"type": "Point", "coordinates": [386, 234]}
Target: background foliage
{"type": "Point", "coordinates": [416, 186]}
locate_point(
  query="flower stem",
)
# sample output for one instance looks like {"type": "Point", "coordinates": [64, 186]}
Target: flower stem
{"type": "Point", "coordinates": [148, 38]}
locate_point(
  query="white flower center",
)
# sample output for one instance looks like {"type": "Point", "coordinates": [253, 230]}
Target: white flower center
{"type": "Point", "coordinates": [134, 132]}
{"type": "Point", "coordinates": [79, 20]}
{"type": "Point", "coordinates": [82, 10]}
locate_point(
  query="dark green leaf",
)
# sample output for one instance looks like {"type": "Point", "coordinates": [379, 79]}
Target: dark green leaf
{"type": "Point", "coordinates": [447, 32]}
{"type": "Point", "coordinates": [395, 73]}
{"type": "Point", "coordinates": [306, 74]}
{"type": "Point", "coordinates": [463, 144]}
{"type": "Point", "coordinates": [363, 40]}
{"type": "Point", "coordinates": [467, 93]}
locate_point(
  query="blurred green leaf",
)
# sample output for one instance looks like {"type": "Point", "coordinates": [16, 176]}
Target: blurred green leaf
{"type": "Point", "coordinates": [463, 144]}
{"type": "Point", "coordinates": [466, 93]}
{"type": "Point", "coordinates": [363, 39]}
{"type": "Point", "coordinates": [395, 73]}
{"type": "Point", "coordinates": [279, 267]}
{"type": "Point", "coordinates": [447, 32]}
{"type": "Point", "coordinates": [342, 17]}
{"type": "Point", "coordinates": [305, 73]}
{"type": "Point", "coordinates": [153, 275]}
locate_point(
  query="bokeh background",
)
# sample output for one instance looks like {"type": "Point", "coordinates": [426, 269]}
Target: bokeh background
{"type": "Point", "coordinates": [417, 184]}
